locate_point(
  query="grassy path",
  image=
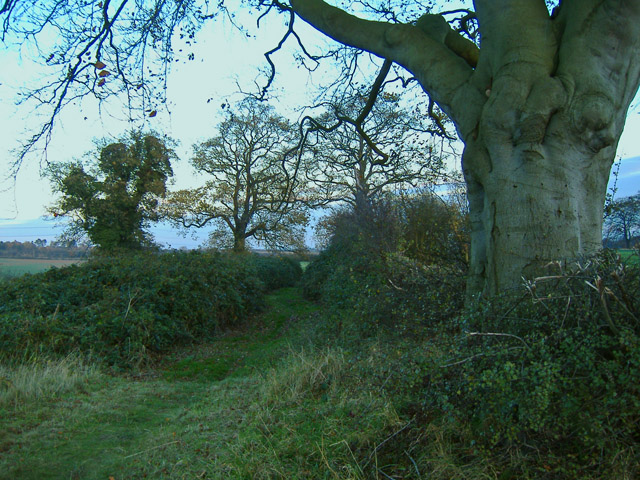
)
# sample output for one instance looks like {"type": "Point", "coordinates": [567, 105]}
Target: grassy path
{"type": "Point", "coordinates": [184, 421]}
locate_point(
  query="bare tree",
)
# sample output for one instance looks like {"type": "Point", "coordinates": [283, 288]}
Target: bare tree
{"type": "Point", "coordinates": [622, 221]}
{"type": "Point", "coordinates": [393, 150]}
{"type": "Point", "coordinates": [250, 193]}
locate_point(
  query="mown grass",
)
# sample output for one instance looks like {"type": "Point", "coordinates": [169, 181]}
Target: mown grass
{"type": "Point", "coordinates": [257, 403]}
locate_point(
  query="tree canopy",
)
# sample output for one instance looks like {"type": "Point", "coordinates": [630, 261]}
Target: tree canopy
{"type": "Point", "coordinates": [114, 198]}
{"type": "Point", "coordinates": [391, 149]}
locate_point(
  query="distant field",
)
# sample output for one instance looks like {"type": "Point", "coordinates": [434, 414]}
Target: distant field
{"type": "Point", "coordinates": [14, 267]}
{"type": "Point", "coordinates": [629, 256]}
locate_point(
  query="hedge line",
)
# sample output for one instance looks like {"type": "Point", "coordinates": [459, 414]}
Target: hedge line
{"type": "Point", "coordinates": [125, 309]}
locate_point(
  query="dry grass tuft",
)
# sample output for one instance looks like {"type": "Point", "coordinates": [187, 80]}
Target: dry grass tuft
{"type": "Point", "coordinates": [42, 379]}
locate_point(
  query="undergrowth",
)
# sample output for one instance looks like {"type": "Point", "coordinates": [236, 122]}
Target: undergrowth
{"type": "Point", "coordinates": [541, 382]}
{"type": "Point", "coordinates": [390, 376]}
{"type": "Point", "coordinates": [125, 310]}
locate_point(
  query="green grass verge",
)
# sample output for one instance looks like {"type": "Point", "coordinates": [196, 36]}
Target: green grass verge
{"type": "Point", "coordinates": [254, 404]}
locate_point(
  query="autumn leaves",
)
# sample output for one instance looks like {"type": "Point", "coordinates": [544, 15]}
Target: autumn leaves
{"type": "Point", "coordinates": [103, 73]}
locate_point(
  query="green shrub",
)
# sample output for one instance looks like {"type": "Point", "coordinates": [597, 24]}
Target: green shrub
{"type": "Point", "coordinates": [553, 373]}
{"type": "Point", "coordinates": [123, 309]}
{"type": "Point", "coordinates": [434, 231]}
{"type": "Point", "coordinates": [387, 291]}
{"type": "Point", "coordinates": [401, 254]}
{"type": "Point", "coordinates": [276, 271]}
{"type": "Point", "coordinates": [354, 258]}
{"type": "Point", "coordinates": [543, 382]}
{"type": "Point", "coordinates": [315, 276]}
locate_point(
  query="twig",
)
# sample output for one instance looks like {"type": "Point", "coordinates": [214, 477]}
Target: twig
{"type": "Point", "coordinates": [152, 448]}
{"type": "Point", "coordinates": [462, 361]}
{"type": "Point", "coordinates": [131, 298]}
{"type": "Point", "coordinates": [474, 356]}
{"type": "Point", "coordinates": [566, 312]}
{"type": "Point", "coordinates": [489, 334]}
{"type": "Point", "coordinates": [394, 285]}
{"type": "Point", "coordinates": [375, 450]}
{"type": "Point", "coordinates": [55, 313]}
{"type": "Point", "coordinates": [609, 292]}
{"type": "Point", "coordinates": [602, 290]}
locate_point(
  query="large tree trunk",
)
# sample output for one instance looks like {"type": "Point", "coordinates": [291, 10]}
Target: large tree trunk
{"type": "Point", "coordinates": [540, 107]}
{"type": "Point", "coordinates": [535, 207]}
{"type": "Point", "coordinates": [239, 244]}
{"type": "Point", "coordinates": [538, 161]}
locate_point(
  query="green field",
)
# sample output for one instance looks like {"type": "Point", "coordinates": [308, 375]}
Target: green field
{"type": "Point", "coordinates": [14, 267]}
{"type": "Point", "coordinates": [629, 255]}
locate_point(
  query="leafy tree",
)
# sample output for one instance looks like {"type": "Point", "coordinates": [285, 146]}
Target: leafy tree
{"type": "Point", "coordinates": [115, 198]}
{"type": "Point", "coordinates": [622, 221]}
{"type": "Point", "coordinates": [538, 92]}
{"type": "Point", "coordinates": [250, 193]}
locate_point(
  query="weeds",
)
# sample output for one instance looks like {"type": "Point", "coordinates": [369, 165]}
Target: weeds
{"type": "Point", "coordinates": [313, 418]}
{"type": "Point", "coordinates": [42, 379]}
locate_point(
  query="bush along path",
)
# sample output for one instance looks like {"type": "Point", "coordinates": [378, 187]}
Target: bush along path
{"type": "Point", "coordinates": [256, 403]}
{"type": "Point", "coordinates": [129, 309]}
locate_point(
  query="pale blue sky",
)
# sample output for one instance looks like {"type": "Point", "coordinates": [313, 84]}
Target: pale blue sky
{"type": "Point", "coordinates": [188, 117]}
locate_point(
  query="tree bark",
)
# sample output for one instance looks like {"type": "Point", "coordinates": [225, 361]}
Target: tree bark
{"type": "Point", "coordinates": [535, 207]}
{"type": "Point", "coordinates": [540, 110]}
{"type": "Point", "coordinates": [239, 243]}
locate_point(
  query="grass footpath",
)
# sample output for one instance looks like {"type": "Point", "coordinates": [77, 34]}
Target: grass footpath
{"type": "Point", "coordinates": [258, 403]}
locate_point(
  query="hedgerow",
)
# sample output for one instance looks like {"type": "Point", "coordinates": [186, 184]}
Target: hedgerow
{"type": "Point", "coordinates": [276, 271]}
{"type": "Point", "coordinates": [541, 382]}
{"type": "Point", "coordinates": [125, 309]}
{"type": "Point", "coordinates": [367, 271]}
{"type": "Point", "coordinates": [552, 372]}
